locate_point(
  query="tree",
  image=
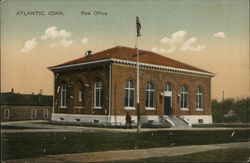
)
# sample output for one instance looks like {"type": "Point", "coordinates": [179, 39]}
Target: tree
{"type": "Point", "coordinates": [231, 110]}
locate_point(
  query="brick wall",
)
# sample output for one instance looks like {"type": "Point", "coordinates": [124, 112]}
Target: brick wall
{"type": "Point", "coordinates": [87, 77]}
{"type": "Point", "coordinates": [121, 74]}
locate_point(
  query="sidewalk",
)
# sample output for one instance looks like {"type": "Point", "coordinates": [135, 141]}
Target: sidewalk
{"type": "Point", "coordinates": [130, 154]}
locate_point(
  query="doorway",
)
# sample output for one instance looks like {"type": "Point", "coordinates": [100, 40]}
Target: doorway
{"type": "Point", "coordinates": [167, 99]}
{"type": "Point", "coordinates": [167, 105]}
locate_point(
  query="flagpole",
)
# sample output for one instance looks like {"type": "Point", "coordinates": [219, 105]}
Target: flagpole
{"type": "Point", "coordinates": [138, 86]}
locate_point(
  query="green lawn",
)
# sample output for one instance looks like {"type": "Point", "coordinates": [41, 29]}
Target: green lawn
{"type": "Point", "coordinates": [230, 125]}
{"type": "Point", "coordinates": [18, 127]}
{"type": "Point", "coordinates": [221, 155]}
{"type": "Point", "coordinates": [24, 145]}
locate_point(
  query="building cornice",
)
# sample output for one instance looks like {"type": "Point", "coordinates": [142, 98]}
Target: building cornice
{"type": "Point", "coordinates": [78, 64]}
{"type": "Point", "coordinates": [133, 63]}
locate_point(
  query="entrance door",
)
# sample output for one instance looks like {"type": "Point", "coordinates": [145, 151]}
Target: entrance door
{"type": "Point", "coordinates": [167, 105]}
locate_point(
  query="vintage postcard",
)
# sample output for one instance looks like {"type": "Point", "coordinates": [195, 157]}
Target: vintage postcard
{"type": "Point", "coordinates": [125, 81]}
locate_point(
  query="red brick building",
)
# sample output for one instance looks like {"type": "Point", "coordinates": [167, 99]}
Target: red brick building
{"type": "Point", "coordinates": [101, 87]}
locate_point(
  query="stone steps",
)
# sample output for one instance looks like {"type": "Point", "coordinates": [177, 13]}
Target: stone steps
{"type": "Point", "coordinates": [176, 122]}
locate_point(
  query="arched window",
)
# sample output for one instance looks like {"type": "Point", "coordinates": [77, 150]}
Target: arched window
{"type": "Point", "coordinates": [149, 95]}
{"type": "Point", "coordinates": [63, 100]}
{"type": "Point", "coordinates": [184, 97]}
{"type": "Point", "coordinates": [129, 94]}
{"type": "Point", "coordinates": [80, 92]}
{"type": "Point", "coordinates": [98, 99]}
{"type": "Point", "coordinates": [198, 98]}
{"type": "Point", "coordinates": [168, 88]}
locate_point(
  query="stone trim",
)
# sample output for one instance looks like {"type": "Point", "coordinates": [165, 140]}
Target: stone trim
{"type": "Point", "coordinates": [194, 119]}
{"type": "Point", "coordinates": [120, 120]}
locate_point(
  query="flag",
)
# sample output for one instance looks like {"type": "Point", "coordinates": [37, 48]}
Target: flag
{"type": "Point", "coordinates": [138, 26]}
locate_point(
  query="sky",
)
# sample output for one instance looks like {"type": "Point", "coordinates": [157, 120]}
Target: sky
{"type": "Point", "coordinates": [209, 34]}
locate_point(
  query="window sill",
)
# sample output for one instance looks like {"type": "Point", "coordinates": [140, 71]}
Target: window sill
{"type": "Point", "coordinates": [63, 107]}
{"type": "Point", "coordinates": [149, 108]}
{"type": "Point", "coordinates": [184, 109]}
{"type": "Point", "coordinates": [97, 107]}
{"type": "Point", "coordinates": [129, 108]}
{"type": "Point", "coordinates": [199, 109]}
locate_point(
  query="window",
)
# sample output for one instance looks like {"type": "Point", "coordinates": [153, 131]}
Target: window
{"type": "Point", "coordinates": [6, 113]}
{"type": "Point", "coordinates": [198, 98]}
{"type": "Point", "coordinates": [80, 95]}
{"type": "Point", "coordinates": [33, 114]}
{"type": "Point", "coordinates": [184, 97]}
{"type": "Point", "coordinates": [149, 95]}
{"type": "Point", "coordinates": [200, 121]}
{"type": "Point", "coordinates": [129, 94]}
{"type": "Point", "coordinates": [45, 113]}
{"type": "Point", "coordinates": [79, 87]}
{"type": "Point", "coordinates": [168, 88]}
{"type": "Point", "coordinates": [79, 91]}
{"type": "Point", "coordinates": [63, 102]}
{"type": "Point", "coordinates": [98, 94]}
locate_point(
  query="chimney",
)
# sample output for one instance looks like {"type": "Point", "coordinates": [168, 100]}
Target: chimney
{"type": "Point", "coordinates": [88, 53]}
{"type": "Point", "coordinates": [41, 91]}
{"type": "Point", "coordinates": [12, 90]}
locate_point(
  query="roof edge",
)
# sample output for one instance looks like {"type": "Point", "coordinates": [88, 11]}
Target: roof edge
{"type": "Point", "coordinates": [134, 63]}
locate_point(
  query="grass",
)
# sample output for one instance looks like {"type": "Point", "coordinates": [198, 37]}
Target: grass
{"type": "Point", "coordinates": [25, 145]}
{"type": "Point", "coordinates": [220, 155]}
{"type": "Point", "coordinates": [233, 125]}
{"type": "Point", "coordinates": [17, 127]}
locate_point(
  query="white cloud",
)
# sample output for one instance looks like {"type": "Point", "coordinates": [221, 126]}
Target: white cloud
{"type": "Point", "coordinates": [29, 45]}
{"type": "Point", "coordinates": [84, 41]}
{"type": "Point", "coordinates": [53, 33]}
{"type": "Point", "coordinates": [60, 37]}
{"type": "Point", "coordinates": [179, 35]}
{"type": "Point", "coordinates": [187, 45]}
{"type": "Point", "coordinates": [50, 32]}
{"type": "Point", "coordinates": [220, 35]}
{"type": "Point", "coordinates": [176, 38]}
{"type": "Point", "coordinates": [162, 50]}
{"type": "Point", "coordinates": [177, 41]}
